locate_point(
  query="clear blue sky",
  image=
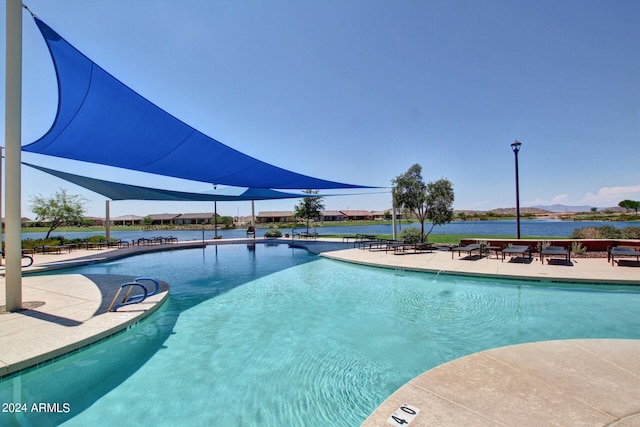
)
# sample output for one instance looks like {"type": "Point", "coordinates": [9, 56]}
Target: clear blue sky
{"type": "Point", "coordinates": [358, 91]}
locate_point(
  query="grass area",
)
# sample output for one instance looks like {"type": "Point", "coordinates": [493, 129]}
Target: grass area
{"type": "Point", "coordinates": [604, 216]}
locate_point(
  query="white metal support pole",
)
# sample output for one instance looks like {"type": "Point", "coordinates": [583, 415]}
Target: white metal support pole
{"type": "Point", "coordinates": [13, 137]}
{"type": "Point", "coordinates": [107, 220]}
{"type": "Point", "coordinates": [215, 219]}
{"type": "Point", "coordinates": [1, 218]}
{"type": "Point", "coordinates": [253, 213]}
{"type": "Point", "coordinates": [394, 217]}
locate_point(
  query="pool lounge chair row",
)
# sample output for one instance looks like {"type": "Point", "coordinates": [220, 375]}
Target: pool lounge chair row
{"type": "Point", "coordinates": [483, 249]}
{"type": "Point", "coordinates": [514, 250]}
{"type": "Point", "coordinates": [549, 252]}
{"type": "Point", "coordinates": [524, 252]}
{"type": "Point", "coordinates": [154, 240]}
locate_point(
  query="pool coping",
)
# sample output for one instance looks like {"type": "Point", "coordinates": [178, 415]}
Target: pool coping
{"type": "Point", "coordinates": [72, 318]}
{"type": "Point", "coordinates": [592, 271]}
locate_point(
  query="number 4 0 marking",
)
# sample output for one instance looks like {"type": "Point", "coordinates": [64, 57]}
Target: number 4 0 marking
{"type": "Point", "coordinates": [403, 415]}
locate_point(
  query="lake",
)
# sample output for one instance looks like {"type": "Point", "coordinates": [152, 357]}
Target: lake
{"type": "Point", "coordinates": [507, 228]}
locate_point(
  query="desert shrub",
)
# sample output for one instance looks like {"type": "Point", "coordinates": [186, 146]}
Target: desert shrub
{"type": "Point", "coordinates": [410, 235]}
{"type": "Point", "coordinates": [586, 233]}
{"type": "Point", "coordinates": [51, 241]}
{"type": "Point", "coordinates": [541, 245]}
{"type": "Point", "coordinates": [610, 232]}
{"type": "Point", "coordinates": [603, 232]}
{"type": "Point", "coordinates": [95, 239]}
{"type": "Point", "coordinates": [577, 248]}
{"type": "Point", "coordinates": [631, 232]}
{"type": "Point", "coordinates": [273, 232]}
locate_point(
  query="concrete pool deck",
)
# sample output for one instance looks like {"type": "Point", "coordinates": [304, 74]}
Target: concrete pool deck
{"type": "Point", "coordinates": [573, 382]}
{"type": "Point", "coordinates": [582, 270]}
{"type": "Point", "coordinates": [553, 383]}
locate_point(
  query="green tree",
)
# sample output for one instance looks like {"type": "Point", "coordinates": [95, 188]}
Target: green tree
{"type": "Point", "coordinates": [630, 204]}
{"type": "Point", "coordinates": [432, 201]}
{"type": "Point", "coordinates": [227, 222]}
{"type": "Point", "coordinates": [310, 207]}
{"type": "Point", "coordinates": [62, 208]}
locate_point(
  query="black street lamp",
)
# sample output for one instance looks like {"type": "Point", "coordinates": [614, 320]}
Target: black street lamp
{"type": "Point", "coordinates": [516, 147]}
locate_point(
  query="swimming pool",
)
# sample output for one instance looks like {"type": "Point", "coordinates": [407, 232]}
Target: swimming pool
{"type": "Point", "coordinates": [270, 335]}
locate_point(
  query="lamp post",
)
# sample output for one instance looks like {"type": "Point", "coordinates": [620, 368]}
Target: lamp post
{"type": "Point", "coordinates": [516, 147]}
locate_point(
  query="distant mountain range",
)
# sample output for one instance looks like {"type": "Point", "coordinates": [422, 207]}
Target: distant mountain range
{"type": "Point", "coordinates": [565, 208]}
{"type": "Point", "coordinates": [542, 210]}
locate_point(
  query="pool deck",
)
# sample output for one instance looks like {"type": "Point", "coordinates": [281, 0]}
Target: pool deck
{"type": "Point", "coordinates": [582, 270]}
{"type": "Point", "coordinates": [574, 382]}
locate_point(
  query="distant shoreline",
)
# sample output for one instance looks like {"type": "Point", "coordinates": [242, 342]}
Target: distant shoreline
{"type": "Point", "coordinates": [564, 216]}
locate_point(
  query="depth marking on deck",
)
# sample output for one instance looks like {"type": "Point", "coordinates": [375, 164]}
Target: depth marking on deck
{"type": "Point", "coordinates": [403, 415]}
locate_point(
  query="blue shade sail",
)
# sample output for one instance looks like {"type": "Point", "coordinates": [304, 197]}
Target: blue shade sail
{"type": "Point", "coordinates": [101, 120]}
{"type": "Point", "coordinates": [118, 191]}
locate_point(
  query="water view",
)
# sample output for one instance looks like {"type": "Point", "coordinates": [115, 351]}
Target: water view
{"type": "Point", "coordinates": [546, 228]}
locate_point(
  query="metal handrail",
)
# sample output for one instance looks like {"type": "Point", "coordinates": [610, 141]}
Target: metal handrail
{"type": "Point", "coordinates": [155, 284]}
{"type": "Point", "coordinates": [128, 300]}
{"type": "Point", "coordinates": [29, 257]}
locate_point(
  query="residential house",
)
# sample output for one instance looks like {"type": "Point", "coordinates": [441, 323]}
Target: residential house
{"type": "Point", "coordinates": [331, 216]}
{"type": "Point", "coordinates": [163, 219]}
{"type": "Point", "coordinates": [127, 220]}
{"type": "Point", "coordinates": [274, 217]}
{"type": "Point", "coordinates": [357, 215]}
{"type": "Point", "coordinates": [196, 218]}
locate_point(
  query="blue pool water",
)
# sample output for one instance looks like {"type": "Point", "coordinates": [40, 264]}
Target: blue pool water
{"type": "Point", "coordinates": [275, 336]}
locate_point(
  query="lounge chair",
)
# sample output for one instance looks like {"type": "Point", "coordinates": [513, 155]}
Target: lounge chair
{"type": "Point", "coordinates": [118, 244]}
{"type": "Point", "coordinates": [378, 244]}
{"type": "Point", "coordinates": [555, 251]}
{"type": "Point", "coordinates": [363, 240]}
{"type": "Point", "coordinates": [622, 251]}
{"type": "Point", "coordinates": [403, 247]}
{"type": "Point", "coordinates": [516, 250]}
{"type": "Point", "coordinates": [468, 248]}
{"type": "Point", "coordinates": [309, 235]}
